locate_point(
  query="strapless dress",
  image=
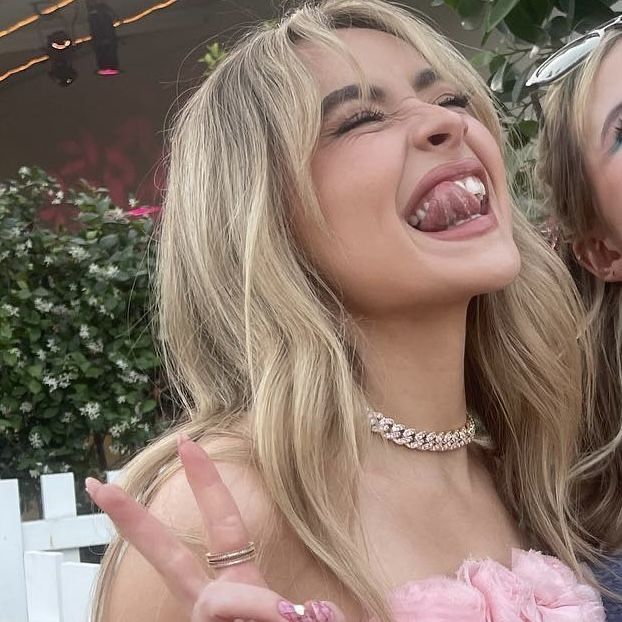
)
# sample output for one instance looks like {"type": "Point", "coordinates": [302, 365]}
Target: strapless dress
{"type": "Point", "coordinates": [537, 588]}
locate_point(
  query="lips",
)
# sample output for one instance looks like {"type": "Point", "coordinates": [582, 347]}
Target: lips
{"type": "Point", "coordinates": [449, 196]}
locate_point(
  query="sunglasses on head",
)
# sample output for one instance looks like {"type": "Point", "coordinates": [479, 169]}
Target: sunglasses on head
{"type": "Point", "coordinates": [571, 55]}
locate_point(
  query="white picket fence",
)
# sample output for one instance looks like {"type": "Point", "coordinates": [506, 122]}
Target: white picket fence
{"type": "Point", "coordinates": [41, 576]}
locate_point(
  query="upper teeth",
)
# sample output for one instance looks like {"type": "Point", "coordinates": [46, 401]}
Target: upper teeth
{"type": "Point", "coordinates": [472, 184]}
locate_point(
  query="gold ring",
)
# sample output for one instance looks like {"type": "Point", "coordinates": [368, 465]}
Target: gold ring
{"type": "Point", "coordinates": [231, 558]}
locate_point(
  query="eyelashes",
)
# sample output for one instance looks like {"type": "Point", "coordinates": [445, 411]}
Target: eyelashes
{"type": "Point", "coordinates": [371, 115]}
{"type": "Point", "coordinates": [617, 143]}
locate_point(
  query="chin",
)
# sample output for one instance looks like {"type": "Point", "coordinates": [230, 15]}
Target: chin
{"type": "Point", "coordinates": [499, 270]}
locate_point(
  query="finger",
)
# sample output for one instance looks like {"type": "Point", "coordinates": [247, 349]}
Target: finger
{"type": "Point", "coordinates": [178, 567]}
{"type": "Point", "coordinates": [222, 600]}
{"type": "Point", "coordinates": [224, 528]}
{"type": "Point", "coordinates": [323, 611]}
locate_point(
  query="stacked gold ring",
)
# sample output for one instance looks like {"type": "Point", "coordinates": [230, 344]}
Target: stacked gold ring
{"type": "Point", "coordinates": [231, 558]}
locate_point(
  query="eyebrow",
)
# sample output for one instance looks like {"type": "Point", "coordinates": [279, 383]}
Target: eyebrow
{"type": "Point", "coordinates": [423, 80]}
{"type": "Point", "coordinates": [616, 110]}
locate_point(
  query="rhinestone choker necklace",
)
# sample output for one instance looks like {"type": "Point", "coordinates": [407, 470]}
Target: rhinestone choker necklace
{"type": "Point", "coordinates": [421, 440]}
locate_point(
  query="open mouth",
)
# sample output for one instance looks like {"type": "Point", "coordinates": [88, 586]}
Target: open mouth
{"type": "Point", "coordinates": [451, 203]}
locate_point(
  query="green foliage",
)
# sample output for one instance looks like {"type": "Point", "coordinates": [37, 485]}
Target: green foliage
{"type": "Point", "coordinates": [213, 55]}
{"type": "Point", "coordinates": [527, 31]}
{"type": "Point", "coordinates": [79, 375]}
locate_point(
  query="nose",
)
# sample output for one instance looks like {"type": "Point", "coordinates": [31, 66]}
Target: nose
{"type": "Point", "coordinates": [436, 128]}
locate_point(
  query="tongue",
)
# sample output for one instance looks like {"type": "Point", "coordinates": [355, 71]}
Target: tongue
{"type": "Point", "coordinates": [447, 203]}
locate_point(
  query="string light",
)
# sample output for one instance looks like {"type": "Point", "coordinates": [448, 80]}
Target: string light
{"type": "Point", "coordinates": [33, 18]}
{"type": "Point", "coordinates": [80, 40]}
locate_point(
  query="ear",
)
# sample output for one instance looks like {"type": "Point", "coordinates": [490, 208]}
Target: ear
{"type": "Point", "coordinates": [600, 257]}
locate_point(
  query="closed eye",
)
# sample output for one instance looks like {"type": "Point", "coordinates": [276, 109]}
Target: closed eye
{"type": "Point", "coordinates": [360, 118]}
{"type": "Point", "coordinates": [460, 100]}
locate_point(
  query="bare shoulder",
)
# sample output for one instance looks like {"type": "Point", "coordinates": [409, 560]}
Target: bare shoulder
{"type": "Point", "coordinates": [137, 592]}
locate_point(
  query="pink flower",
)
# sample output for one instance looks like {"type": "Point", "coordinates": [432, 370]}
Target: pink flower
{"type": "Point", "coordinates": [558, 593]}
{"type": "Point", "coordinates": [145, 210]}
{"type": "Point", "coordinates": [437, 599]}
{"type": "Point", "coordinates": [507, 596]}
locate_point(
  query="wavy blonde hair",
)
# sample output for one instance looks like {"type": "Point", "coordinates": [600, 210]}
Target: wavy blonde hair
{"type": "Point", "coordinates": [256, 342]}
{"type": "Point", "coordinates": [570, 199]}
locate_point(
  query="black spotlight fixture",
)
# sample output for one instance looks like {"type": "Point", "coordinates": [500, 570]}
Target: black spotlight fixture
{"type": "Point", "coordinates": [61, 52]}
{"type": "Point", "coordinates": [104, 38]}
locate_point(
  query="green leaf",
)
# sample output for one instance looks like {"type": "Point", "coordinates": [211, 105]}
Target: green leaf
{"type": "Point", "coordinates": [500, 9]}
{"type": "Point", "coordinates": [496, 81]}
{"type": "Point", "coordinates": [482, 58]}
{"type": "Point", "coordinates": [35, 371]}
{"type": "Point", "coordinates": [148, 406]}
{"type": "Point", "coordinates": [34, 387]}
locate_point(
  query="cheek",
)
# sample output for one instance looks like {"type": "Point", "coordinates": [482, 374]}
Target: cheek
{"type": "Point", "coordinates": [607, 181]}
{"type": "Point", "coordinates": [356, 187]}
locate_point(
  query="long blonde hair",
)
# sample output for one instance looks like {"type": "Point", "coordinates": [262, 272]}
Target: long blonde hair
{"type": "Point", "coordinates": [256, 343]}
{"type": "Point", "coordinates": [571, 200]}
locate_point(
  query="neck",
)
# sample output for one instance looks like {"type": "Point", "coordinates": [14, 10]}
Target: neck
{"type": "Point", "coordinates": [415, 368]}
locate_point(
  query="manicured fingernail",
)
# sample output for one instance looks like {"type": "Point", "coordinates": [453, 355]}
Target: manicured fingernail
{"type": "Point", "coordinates": [320, 611]}
{"type": "Point", "coordinates": [91, 485]}
{"type": "Point", "coordinates": [291, 612]}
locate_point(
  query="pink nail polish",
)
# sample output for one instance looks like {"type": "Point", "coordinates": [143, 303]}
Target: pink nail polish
{"type": "Point", "coordinates": [291, 612]}
{"type": "Point", "coordinates": [320, 611]}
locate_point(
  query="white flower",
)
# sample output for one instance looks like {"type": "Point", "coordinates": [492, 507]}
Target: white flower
{"type": "Point", "coordinates": [23, 171]}
{"type": "Point", "coordinates": [51, 382]}
{"type": "Point", "coordinates": [48, 260]}
{"type": "Point", "coordinates": [33, 473]}
{"type": "Point", "coordinates": [28, 243]}
{"type": "Point", "coordinates": [121, 364]}
{"type": "Point", "coordinates": [92, 410]}
{"type": "Point", "coordinates": [134, 420]}
{"type": "Point", "coordinates": [16, 352]}
{"type": "Point", "coordinates": [66, 417]}
{"type": "Point", "coordinates": [64, 381]}
{"type": "Point", "coordinates": [110, 271]}
{"type": "Point", "coordinates": [73, 287]}
{"type": "Point", "coordinates": [35, 439]}
{"type": "Point", "coordinates": [133, 377]}
{"type": "Point", "coordinates": [133, 201]}
{"type": "Point", "coordinates": [25, 407]}
{"type": "Point", "coordinates": [115, 215]}
{"type": "Point", "coordinates": [115, 431]}
{"type": "Point", "coordinates": [94, 269]}
{"type": "Point", "coordinates": [145, 428]}
{"type": "Point", "coordinates": [10, 310]}
{"type": "Point", "coordinates": [78, 253]}
{"type": "Point", "coordinates": [64, 468]}
{"type": "Point", "coordinates": [58, 197]}
{"type": "Point", "coordinates": [4, 410]}
{"type": "Point", "coordinates": [95, 346]}
{"type": "Point", "coordinates": [41, 355]}
{"type": "Point", "coordinates": [121, 399]}
{"type": "Point", "coordinates": [51, 343]}
{"type": "Point", "coordinates": [20, 250]}
{"type": "Point", "coordinates": [43, 305]}
{"type": "Point", "coordinates": [84, 331]}
{"type": "Point", "coordinates": [15, 232]}
{"type": "Point", "coordinates": [92, 301]}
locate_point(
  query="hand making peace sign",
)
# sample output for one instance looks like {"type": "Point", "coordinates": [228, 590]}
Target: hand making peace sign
{"type": "Point", "coordinates": [239, 591]}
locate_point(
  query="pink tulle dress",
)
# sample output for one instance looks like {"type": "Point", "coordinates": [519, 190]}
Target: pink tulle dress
{"type": "Point", "coordinates": [538, 588]}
